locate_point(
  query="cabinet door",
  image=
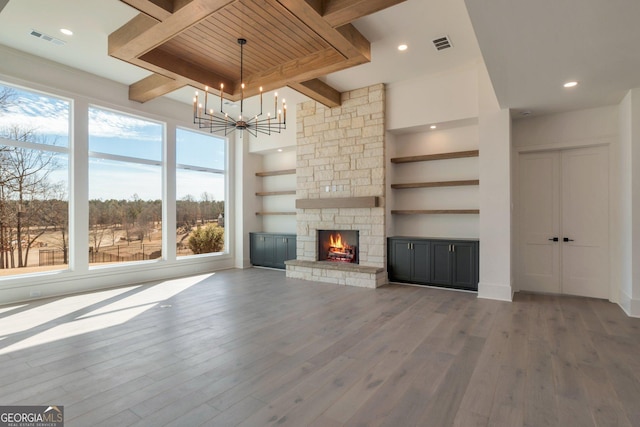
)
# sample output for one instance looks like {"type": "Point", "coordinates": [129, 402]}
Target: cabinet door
{"type": "Point", "coordinates": [256, 249]}
{"type": "Point", "coordinates": [285, 247]}
{"type": "Point", "coordinates": [441, 263]}
{"type": "Point", "coordinates": [291, 248]}
{"type": "Point", "coordinates": [399, 260]}
{"type": "Point", "coordinates": [420, 254]}
{"type": "Point", "coordinates": [465, 258]}
{"type": "Point", "coordinates": [269, 256]}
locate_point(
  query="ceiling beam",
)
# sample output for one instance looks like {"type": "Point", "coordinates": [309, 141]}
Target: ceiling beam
{"type": "Point", "coordinates": [309, 15]}
{"type": "Point", "coordinates": [158, 9]}
{"type": "Point", "coordinates": [139, 35]}
{"type": "Point", "coordinates": [189, 71]}
{"type": "Point", "coordinates": [319, 91]}
{"type": "Point", "coordinates": [341, 12]}
{"type": "Point", "coordinates": [152, 87]}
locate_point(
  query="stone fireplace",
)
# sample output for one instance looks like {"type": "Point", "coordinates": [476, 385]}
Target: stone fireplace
{"type": "Point", "coordinates": [340, 172]}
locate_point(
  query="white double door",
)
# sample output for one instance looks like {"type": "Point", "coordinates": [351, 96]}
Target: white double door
{"type": "Point", "coordinates": [564, 222]}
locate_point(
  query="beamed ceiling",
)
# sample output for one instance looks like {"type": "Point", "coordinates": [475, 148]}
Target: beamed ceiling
{"type": "Point", "coordinates": [289, 43]}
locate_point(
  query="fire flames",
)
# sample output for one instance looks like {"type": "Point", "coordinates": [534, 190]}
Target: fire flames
{"type": "Point", "coordinates": [337, 242]}
{"type": "Point", "coordinates": [339, 250]}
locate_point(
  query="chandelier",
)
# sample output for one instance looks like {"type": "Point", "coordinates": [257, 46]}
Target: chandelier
{"type": "Point", "coordinates": [218, 121]}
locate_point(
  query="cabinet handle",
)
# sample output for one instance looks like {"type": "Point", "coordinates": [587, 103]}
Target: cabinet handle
{"type": "Point", "coordinates": [453, 248]}
{"type": "Point", "coordinates": [449, 248]}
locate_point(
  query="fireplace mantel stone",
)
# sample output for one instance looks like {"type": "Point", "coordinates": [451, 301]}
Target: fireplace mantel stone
{"type": "Point", "coordinates": [338, 202]}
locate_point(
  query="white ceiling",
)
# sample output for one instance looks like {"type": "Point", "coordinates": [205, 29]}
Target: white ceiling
{"type": "Point", "coordinates": [530, 48]}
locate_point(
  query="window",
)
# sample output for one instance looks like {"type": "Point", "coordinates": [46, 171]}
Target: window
{"type": "Point", "coordinates": [200, 193]}
{"type": "Point", "coordinates": [34, 182]}
{"type": "Point", "coordinates": [125, 188]}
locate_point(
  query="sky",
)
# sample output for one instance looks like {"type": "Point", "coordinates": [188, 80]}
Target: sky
{"type": "Point", "coordinates": [115, 133]}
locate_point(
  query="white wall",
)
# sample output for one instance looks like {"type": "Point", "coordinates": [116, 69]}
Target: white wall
{"type": "Point", "coordinates": [446, 138]}
{"type": "Point", "coordinates": [286, 139]}
{"type": "Point", "coordinates": [458, 96]}
{"type": "Point", "coordinates": [432, 99]}
{"type": "Point", "coordinates": [20, 69]}
{"type": "Point", "coordinates": [495, 194]}
{"type": "Point", "coordinates": [628, 215]}
{"type": "Point", "coordinates": [283, 203]}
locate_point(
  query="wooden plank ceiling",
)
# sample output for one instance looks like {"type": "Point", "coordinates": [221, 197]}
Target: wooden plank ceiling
{"type": "Point", "coordinates": [289, 43]}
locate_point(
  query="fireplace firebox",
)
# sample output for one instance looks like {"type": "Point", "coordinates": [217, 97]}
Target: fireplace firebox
{"type": "Point", "coordinates": [338, 246]}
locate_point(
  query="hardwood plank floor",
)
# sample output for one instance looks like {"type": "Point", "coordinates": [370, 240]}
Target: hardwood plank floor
{"type": "Point", "coordinates": [252, 348]}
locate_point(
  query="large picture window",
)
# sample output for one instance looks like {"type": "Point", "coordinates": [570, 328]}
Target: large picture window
{"type": "Point", "coordinates": [125, 188]}
{"type": "Point", "coordinates": [34, 182]}
{"type": "Point", "coordinates": [200, 193]}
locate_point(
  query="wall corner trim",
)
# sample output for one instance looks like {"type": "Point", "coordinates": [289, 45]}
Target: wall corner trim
{"type": "Point", "coordinates": [495, 291]}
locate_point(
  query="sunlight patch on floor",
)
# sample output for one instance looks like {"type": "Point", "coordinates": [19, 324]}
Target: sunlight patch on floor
{"type": "Point", "coordinates": [118, 312]}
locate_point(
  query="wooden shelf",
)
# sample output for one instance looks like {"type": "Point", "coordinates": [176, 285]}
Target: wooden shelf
{"type": "Point", "coordinates": [275, 193]}
{"type": "Point", "coordinates": [435, 211]}
{"type": "Point", "coordinates": [439, 156]}
{"type": "Point", "coordinates": [275, 213]}
{"type": "Point", "coordinates": [437, 184]}
{"type": "Point", "coordinates": [280, 172]}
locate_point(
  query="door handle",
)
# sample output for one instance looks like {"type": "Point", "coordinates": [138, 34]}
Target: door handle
{"type": "Point", "coordinates": [566, 239]}
{"type": "Point", "coordinates": [555, 239]}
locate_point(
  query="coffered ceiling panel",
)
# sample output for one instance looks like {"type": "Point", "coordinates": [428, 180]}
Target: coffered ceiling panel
{"type": "Point", "coordinates": [289, 43]}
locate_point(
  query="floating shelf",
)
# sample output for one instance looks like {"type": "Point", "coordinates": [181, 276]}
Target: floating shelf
{"type": "Point", "coordinates": [280, 172]}
{"type": "Point", "coordinates": [437, 184]}
{"type": "Point", "coordinates": [275, 213]}
{"type": "Point", "coordinates": [435, 211]}
{"type": "Point", "coordinates": [439, 156]}
{"type": "Point", "coordinates": [275, 193]}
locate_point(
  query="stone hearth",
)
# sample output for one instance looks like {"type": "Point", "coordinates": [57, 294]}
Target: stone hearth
{"type": "Point", "coordinates": [341, 157]}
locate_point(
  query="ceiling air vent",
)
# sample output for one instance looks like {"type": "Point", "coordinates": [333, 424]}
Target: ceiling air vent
{"type": "Point", "coordinates": [45, 37]}
{"type": "Point", "coordinates": [442, 43]}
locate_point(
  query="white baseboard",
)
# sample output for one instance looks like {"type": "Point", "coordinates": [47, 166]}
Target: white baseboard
{"type": "Point", "coordinates": [495, 291]}
{"type": "Point", "coordinates": [629, 305]}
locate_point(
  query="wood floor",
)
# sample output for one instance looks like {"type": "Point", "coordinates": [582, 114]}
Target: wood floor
{"type": "Point", "coordinates": [251, 348]}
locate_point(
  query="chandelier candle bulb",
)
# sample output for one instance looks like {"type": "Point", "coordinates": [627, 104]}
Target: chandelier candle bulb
{"type": "Point", "coordinates": [221, 95]}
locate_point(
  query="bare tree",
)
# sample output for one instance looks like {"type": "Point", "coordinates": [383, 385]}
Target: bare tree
{"type": "Point", "coordinates": [25, 181]}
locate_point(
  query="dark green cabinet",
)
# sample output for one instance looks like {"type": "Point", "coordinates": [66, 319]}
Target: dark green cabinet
{"type": "Point", "coordinates": [271, 249]}
{"type": "Point", "coordinates": [447, 263]}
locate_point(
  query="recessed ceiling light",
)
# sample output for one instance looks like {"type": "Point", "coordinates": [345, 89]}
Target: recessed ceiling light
{"type": "Point", "coordinates": [433, 126]}
{"type": "Point", "coordinates": [279, 150]}
{"type": "Point", "coordinates": [66, 31]}
{"type": "Point", "coordinates": [571, 84]}
{"type": "Point", "coordinates": [403, 47]}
